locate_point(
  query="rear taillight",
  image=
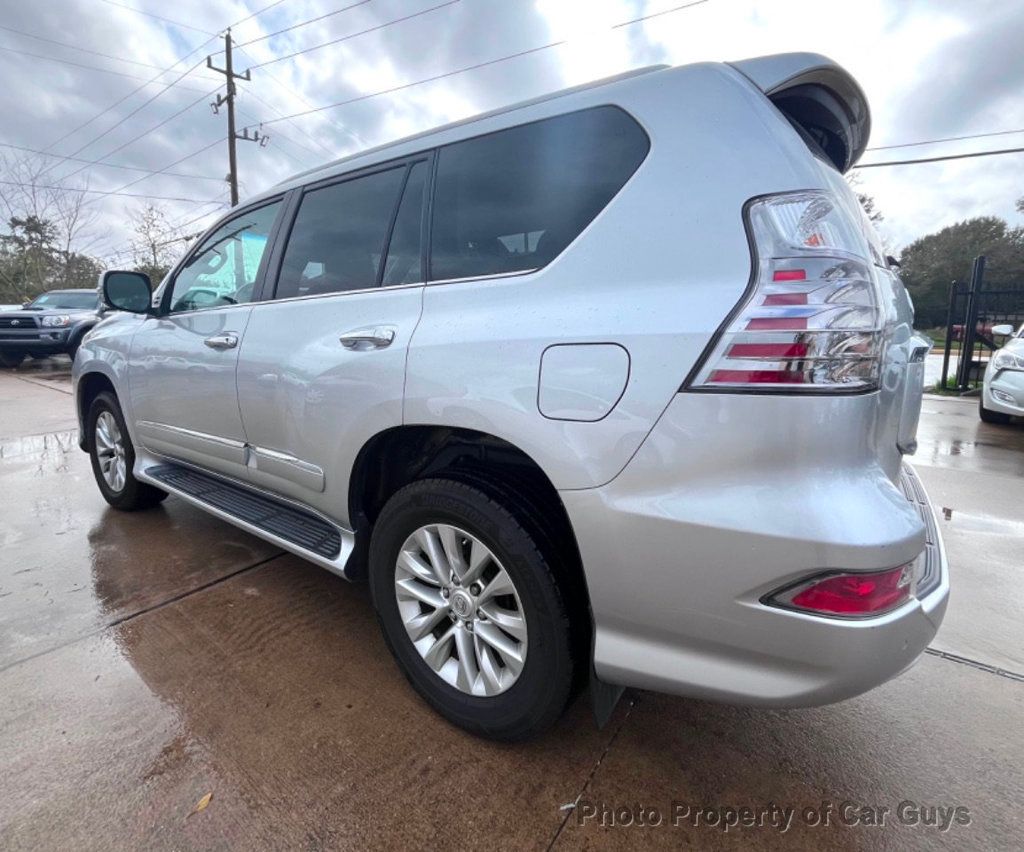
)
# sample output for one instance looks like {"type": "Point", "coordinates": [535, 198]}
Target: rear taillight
{"type": "Point", "coordinates": [813, 321]}
{"type": "Point", "coordinates": [850, 595]}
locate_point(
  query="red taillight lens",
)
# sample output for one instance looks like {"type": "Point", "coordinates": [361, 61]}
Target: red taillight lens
{"type": "Point", "coordinates": [814, 318]}
{"type": "Point", "coordinates": [850, 594]}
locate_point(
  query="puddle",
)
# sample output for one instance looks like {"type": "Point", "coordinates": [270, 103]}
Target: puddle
{"type": "Point", "coordinates": [49, 452]}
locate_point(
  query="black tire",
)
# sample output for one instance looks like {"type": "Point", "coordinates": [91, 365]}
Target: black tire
{"type": "Point", "coordinates": [10, 360]}
{"type": "Point", "coordinates": [989, 416]}
{"type": "Point", "coordinates": [543, 688]}
{"type": "Point", "coordinates": [134, 495]}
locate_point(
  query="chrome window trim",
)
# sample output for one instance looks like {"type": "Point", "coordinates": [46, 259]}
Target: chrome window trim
{"type": "Point", "coordinates": [491, 276]}
{"type": "Point", "coordinates": [385, 288]}
{"type": "Point", "coordinates": [177, 314]}
{"type": "Point", "coordinates": [370, 289]}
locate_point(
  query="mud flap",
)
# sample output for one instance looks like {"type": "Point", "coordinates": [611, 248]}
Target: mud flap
{"type": "Point", "coordinates": [603, 698]}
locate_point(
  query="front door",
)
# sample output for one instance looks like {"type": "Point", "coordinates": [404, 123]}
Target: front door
{"type": "Point", "coordinates": [322, 365]}
{"type": "Point", "coordinates": [183, 361]}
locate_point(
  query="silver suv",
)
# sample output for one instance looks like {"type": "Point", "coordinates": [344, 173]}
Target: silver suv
{"type": "Point", "coordinates": [611, 388]}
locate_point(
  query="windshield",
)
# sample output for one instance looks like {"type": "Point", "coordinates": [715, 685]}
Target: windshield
{"type": "Point", "coordinates": [71, 301]}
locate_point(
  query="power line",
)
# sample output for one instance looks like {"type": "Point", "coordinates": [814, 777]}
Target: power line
{"type": "Point", "coordinates": [169, 166]}
{"type": "Point", "coordinates": [154, 97]}
{"type": "Point", "coordinates": [276, 111]}
{"type": "Point", "coordinates": [400, 88]}
{"type": "Point", "coordinates": [658, 14]}
{"type": "Point", "coordinates": [77, 64]}
{"type": "Point", "coordinates": [257, 12]}
{"type": "Point", "coordinates": [158, 17]}
{"type": "Point", "coordinates": [298, 95]}
{"type": "Point", "coordinates": [256, 122]}
{"type": "Point", "coordinates": [80, 49]}
{"type": "Point", "coordinates": [202, 215]}
{"type": "Point", "coordinates": [303, 23]}
{"type": "Point", "coordinates": [466, 68]}
{"type": "Point", "coordinates": [105, 165]}
{"type": "Point", "coordinates": [156, 126]}
{"type": "Point", "coordinates": [940, 159]}
{"type": "Point", "coordinates": [354, 35]}
{"type": "Point", "coordinates": [96, 191]}
{"type": "Point", "coordinates": [134, 91]}
{"type": "Point", "coordinates": [945, 139]}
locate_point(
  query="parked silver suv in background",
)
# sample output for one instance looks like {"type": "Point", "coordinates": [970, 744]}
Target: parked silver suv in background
{"type": "Point", "coordinates": [607, 389]}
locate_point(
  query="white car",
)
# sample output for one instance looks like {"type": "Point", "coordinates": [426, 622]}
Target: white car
{"type": "Point", "coordinates": [1002, 393]}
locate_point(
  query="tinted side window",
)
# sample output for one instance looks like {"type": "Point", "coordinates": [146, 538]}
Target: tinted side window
{"type": "Point", "coordinates": [403, 263]}
{"type": "Point", "coordinates": [222, 270]}
{"type": "Point", "coordinates": [338, 236]}
{"type": "Point", "coordinates": [512, 200]}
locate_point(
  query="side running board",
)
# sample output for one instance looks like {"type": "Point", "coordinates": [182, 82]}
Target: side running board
{"type": "Point", "coordinates": [299, 531]}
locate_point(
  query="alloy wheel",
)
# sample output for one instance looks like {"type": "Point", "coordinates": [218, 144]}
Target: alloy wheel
{"type": "Point", "coordinates": [110, 451]}
{"type": "Point", "coordinates": [461, 610]}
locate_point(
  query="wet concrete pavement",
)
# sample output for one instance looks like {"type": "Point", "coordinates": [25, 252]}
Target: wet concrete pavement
{"type": "Point", "coordinates": [147, 660]}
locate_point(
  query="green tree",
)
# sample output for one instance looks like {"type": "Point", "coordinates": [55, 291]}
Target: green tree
{"type": "Point", "coordinates": [28, 258]}
{"type": "Point", "coordinates": [932, 262]}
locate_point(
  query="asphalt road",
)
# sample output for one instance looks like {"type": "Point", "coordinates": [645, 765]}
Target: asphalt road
{"type": "Point", "coordinates": [151, 663]}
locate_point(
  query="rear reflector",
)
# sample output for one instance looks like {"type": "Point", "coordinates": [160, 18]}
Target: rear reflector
{"type": "Point", "coordinates": [852, 594]}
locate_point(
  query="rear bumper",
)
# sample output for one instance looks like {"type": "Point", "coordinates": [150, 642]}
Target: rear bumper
{"type": "Point", "coordinates": [680, 549]}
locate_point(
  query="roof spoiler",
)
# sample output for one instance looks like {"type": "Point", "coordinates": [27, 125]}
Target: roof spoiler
{"type": "Point", "coordinates": [819, 98]}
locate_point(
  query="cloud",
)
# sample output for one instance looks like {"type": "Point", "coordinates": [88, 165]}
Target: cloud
{"type": "Point", "coordinates": [928, 71]}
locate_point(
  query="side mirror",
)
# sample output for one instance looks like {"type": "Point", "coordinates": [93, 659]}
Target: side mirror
{"type": "Point", "coordinates": [127, 291]}
{"type": "Point", "coordinates": [1002, 330]}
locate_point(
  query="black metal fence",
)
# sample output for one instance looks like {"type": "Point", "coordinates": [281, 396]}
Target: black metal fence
{"type": "Point", "coordinates": [973, 311]}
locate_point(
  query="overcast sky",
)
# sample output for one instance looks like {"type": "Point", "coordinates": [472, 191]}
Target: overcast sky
{"type": "Point", "coordinates": [930, 69]}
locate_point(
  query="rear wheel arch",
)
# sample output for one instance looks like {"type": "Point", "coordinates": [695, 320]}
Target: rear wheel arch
{"type": "Point", "coordinates": [397, 457]}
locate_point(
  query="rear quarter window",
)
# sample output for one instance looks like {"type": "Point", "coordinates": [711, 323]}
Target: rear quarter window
{"type": "Point", "coordinates": [512, 200]}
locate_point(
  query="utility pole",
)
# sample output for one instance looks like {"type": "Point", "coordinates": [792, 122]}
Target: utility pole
{"type": "Point", "coordinates": [229, 72]}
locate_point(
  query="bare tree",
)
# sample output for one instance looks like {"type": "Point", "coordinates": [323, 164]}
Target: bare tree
{"type": "Point", "coordinates": [78, 233]}
{"type": "Point", "coordinates": [51, 230]}
{"type": "Point", "coordinates": [155, 244]}
{"type": "Point", "coordinates": [866, 201]}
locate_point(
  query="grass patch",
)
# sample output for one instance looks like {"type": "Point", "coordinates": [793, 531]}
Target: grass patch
{"type": "Point", "coordinates": [950, 388]}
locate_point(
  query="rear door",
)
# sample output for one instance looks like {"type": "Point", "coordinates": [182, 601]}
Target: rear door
{"type": "Point", "coordinates": [322, 364]}
{"type": "Point", "coordinates": [182, 375]}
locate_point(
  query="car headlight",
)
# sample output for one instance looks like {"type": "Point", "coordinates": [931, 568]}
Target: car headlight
{"type": "Point", "coordinates": [1006, 360]}
{"type": "Point", "coordinates": [56, 321]}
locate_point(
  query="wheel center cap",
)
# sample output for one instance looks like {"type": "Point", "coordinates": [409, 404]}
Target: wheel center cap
{"type": "Point", "coordinates": [462, 604]}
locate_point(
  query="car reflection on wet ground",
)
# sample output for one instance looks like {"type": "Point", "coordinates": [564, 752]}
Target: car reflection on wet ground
{"type": "Point", "coordinates": [150, 659]}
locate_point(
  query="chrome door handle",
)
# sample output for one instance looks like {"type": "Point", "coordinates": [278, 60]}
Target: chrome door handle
{"type": "Point", "coordinates": [222, 341]}
{"type": "Point", "coordinates": [377, 337]}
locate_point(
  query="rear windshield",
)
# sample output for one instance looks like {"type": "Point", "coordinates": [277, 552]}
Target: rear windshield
{"type": "Point", "coordinates": [513, 200]}
{"type": "Point", "coordinates": [71, 301]}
